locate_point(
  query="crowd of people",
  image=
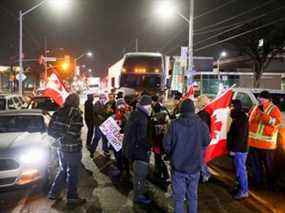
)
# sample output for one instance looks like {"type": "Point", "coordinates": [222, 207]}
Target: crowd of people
{"type": "Point", "coordinates": [180, 138]}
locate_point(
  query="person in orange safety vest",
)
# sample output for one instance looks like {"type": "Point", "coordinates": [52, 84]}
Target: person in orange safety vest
{"type": "Point", "coordinates": [264, 122]}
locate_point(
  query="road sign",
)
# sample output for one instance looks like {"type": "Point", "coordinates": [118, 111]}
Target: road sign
{"type": "Point", "coordinates": [23, 77]}
{"type": "Point", "coordinates": [47, 59]}
{"type": "Point", "coordinates": [184, 53]}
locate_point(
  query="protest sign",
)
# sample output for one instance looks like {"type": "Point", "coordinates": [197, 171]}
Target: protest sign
{"type": "Point", "coordinates": [111, 130]}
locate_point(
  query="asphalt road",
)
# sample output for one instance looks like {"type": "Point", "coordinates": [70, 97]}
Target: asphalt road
{"type": "Point", "coordinates": [107, 194]}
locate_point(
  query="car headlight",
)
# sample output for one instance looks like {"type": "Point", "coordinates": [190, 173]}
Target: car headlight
{"type": "Point", "coordinates": [33, 156]}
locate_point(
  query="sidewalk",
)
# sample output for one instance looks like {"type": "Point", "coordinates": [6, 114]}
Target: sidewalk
{"type": "Point", "coordinates": [269, 201]}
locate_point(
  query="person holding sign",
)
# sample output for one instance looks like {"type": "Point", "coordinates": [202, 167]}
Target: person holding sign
{"type": "Point", "coordinates": [137, 146]}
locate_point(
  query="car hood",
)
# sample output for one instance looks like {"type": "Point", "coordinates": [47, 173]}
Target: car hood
{"type": "Point", "coordinates": [13, 141]}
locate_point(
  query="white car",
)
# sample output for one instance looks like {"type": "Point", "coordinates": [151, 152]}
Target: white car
{"type": "Point", "coordinates": [26, 154]}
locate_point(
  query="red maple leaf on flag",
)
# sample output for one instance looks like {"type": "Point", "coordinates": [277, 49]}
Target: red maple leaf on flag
{"type": "Point", "coordinates": [216, 127]}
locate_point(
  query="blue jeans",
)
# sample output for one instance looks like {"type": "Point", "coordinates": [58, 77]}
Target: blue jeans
{"type": "Point", "coordinates": [205, 174]}
{"type": "Point", "coordinates": [97, 136]}
{"type": "Point", "coordinates": [241, 171]}
{"type": "Point", "coordinates": [185, 186]}
{"type": "Point", "coordinates": [69, 165]}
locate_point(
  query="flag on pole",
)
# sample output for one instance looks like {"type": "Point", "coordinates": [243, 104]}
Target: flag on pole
{"type": "Point", "coordinates": [219, 110]}
{"type": "Point", "coordinates": [55, 89]}
{"type": "Point", "coordinates": [189, 94]}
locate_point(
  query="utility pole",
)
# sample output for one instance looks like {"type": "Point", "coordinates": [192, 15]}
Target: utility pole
{"type": "Point", "coordinates": [137, 44]}
{"type": "Point", "coordinates": [190, 45]}
{"type": "Point", "coordinates": [46, 65]}
{"type": "Point", "coordinates": [21, 53]}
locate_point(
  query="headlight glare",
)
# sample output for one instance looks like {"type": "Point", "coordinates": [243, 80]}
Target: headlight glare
{"type": "Point", "coordinates": [33, 156]}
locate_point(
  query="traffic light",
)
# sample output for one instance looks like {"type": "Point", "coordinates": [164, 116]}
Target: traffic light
{"type": "Point", "coordinates": [66, 63]}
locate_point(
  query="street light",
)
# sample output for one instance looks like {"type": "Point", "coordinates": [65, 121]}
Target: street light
{"type": "Point", "coordinates": [60, 5]}
{"type": "Point", "coordinates": [88, 54]}
{"type": "Point", "coordinates": [221, 56]}
{"type": "Point", "coordinates": [21, 16]}
{"type": "Point", "coordinates": [167, 9]}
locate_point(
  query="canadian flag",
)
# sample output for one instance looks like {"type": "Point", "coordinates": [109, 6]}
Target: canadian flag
{"type": "Point", "coordinates": [55, 89]}
{"type": "Point", "coordinates": [219, 110]}
{"type": "Point", "coordinates": [189, 94]}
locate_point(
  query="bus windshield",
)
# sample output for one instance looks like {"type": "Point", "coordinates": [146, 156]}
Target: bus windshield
{"type": "Point", "coordinates": [141, 81]}
{"type": "Point", "coordinates": [150, 63]}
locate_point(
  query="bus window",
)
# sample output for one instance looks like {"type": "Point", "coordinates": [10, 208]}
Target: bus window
{"type": "Point", "coordinates": [147, 63]}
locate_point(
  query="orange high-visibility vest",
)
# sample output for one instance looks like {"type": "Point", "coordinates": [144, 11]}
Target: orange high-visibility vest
{"type": "Point", "coordinates": [264, 126]}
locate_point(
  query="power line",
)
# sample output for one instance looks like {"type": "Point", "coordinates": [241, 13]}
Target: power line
{"type": "Point", "coordinates": [227, 20]}
{"type": "Point", "coordinates": [237, 16]}
{"type": "Point", "coordinates": [214, 9]}
{"type": "Point", "coordinates": [229, 30]}
{"type": "Point", "coordinates": [240, 34]}
{"type": "Point", "coordinates": [196, 17]}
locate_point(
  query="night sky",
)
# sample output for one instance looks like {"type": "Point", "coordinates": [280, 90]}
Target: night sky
{"type": "Point", "coordinates": [110, 27]}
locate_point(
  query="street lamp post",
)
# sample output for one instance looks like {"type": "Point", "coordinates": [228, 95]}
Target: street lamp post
{"type": "Point", "coordinates": [88, 54]}
{"type": "Point", "coordinates": [190, 46]}
{"type": "Point", "coordinates": [21, 15]}
{"type": "Point", "coordinates": [168, 9]}
{"type": "Point", "coordinates": [58, 4]}
{"type": "Point", "coordinates": [222, 55]}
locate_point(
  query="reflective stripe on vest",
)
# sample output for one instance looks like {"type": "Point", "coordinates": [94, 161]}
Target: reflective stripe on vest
{"type": "Point", "coordinates": [258, 135]}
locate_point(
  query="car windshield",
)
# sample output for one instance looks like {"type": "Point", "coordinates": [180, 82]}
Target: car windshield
{"type": "Point", "coordinates": [278, 99]}
{"type": "Point", "coordinates": [21, 123]}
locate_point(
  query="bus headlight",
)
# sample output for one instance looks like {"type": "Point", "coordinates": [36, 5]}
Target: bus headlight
{"type": "Point", "coordinates": [33, 156]}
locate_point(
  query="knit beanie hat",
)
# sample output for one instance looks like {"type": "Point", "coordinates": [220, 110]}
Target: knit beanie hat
{"type": "Point", "coordinates": [265, 94]}
{"type": "Point", "coordinates": [145, 100]}
{"type": "Point", "coordinates": [187, 106]}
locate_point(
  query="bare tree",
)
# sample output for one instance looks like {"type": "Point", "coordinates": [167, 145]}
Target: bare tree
{"type": "Point", "coordinates": [261, 45]}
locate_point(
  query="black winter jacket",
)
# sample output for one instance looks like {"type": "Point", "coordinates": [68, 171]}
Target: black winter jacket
{"type": "Point", "coordinates": [238, 133]}
{"type": "Point", "coordinates": [185, 141]}
{"type": "Point", "coordinates": [136, 143]}
{"type": "Point", "coordinates": [89, 113]}
{"type": "Point", "coordinates": [65, 126]}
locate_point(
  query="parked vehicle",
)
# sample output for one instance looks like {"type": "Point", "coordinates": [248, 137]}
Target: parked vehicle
{"type": "Point", "coordinates": [26, 154]}
{"type": "Point", "coordinates": [137, 72]}
{"type": "Point", "coordinates": [12, 102]}
{"type": "Point", "coordinates": [248, 97]}
{"type": "Point", "coordinates": [43, 103]}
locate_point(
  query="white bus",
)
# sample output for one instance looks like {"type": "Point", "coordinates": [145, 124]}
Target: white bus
{"type": "Point", "coordinates": [138, 72]}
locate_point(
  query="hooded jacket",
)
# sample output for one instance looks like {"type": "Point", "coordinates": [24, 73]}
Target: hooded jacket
{"type": "Point", "coordinates": [185, 141]}
{"type": "Point", "coordinates": [136, 143]}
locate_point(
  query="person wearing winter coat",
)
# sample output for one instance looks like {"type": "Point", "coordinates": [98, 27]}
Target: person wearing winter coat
{"type": "Point", "coordinates": [238, 145]}
{"type": "Point", "coordinates": [160, 117]}
{"type": "Point", "coordinates": [137, 146]}
{"type": "Point", "coordinates": [100, 115]}
{"type": "Point", "coordinates": [65, 126]}
{"type": "Point", "coordinates": [89, 118]}
{"type": "Point", "coordinates": [121, 117]}
{"type": "Point", "coordinates": [184, 143]}
{"type": "Point", "coordinates": [202, 102]}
